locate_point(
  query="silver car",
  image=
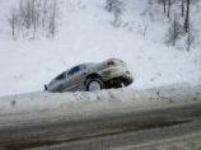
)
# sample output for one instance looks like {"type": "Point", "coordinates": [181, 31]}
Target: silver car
{"type": "Point", "coordinates": [112, 73]}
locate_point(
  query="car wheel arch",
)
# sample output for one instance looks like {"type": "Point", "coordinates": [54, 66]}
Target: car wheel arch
{"type": "Point", "coordinates": [93, 75]}
{"type": "Point", "coordinates": [94, 78]}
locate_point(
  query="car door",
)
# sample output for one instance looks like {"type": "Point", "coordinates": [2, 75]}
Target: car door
{"type": "Point", "coordinates": [74, 78]}
{"type": "Point", "coordinates": [60, 82]}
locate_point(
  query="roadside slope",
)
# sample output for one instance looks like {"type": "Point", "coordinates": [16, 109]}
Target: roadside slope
{"type": "Point", "coordinates": [72, 120]}
{"type": "Point", "coordinates": [86, 35]}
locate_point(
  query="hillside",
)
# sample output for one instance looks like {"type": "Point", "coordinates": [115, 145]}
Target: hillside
{"type": "Point", "coordinates": [85, 33]}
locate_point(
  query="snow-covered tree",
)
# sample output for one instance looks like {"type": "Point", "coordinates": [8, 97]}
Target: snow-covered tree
{"type": "Point", "coordinates": [169, 8]}
{"type": "Point", "coordinates": [187, 19]}
{"type": "Point", "coordinates": [34, 17]}
{"type": "Point", "coordinates": [116, 7]}
{"type": "Point", "coordinates": [13, 21]}
{"type": "Point", "coordinates": [175, 31]}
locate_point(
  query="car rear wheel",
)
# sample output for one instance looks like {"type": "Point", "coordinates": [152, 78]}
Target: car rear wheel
{"type": "Point", "coordinates": [94, 84]}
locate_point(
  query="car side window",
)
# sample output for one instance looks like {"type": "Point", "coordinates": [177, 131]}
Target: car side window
{"type": "Point", "coordinates": [61, 76]}
{"type": "Point", "coordinates": [74, 70]}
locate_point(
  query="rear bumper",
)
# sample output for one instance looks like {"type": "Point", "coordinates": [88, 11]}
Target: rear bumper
{"type": "Point", "coordinates": [114, 72]}
{"type": "Point", "coordinates": [118, 82]}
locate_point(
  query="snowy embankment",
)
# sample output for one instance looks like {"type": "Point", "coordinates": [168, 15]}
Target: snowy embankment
{"type": "Point", "coordinates": [84, 104]}
{"type": "Point", "coordinates": [89, 117]}
{"type": "Point", "coordinates": [86, 35]}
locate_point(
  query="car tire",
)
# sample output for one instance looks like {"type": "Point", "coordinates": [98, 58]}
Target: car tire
{"type": "Point", "coordinates": [94, 84]}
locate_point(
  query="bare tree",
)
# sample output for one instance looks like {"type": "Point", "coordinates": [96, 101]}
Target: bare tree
{"type": "Point", "coordinates": [182, 8]}
{"type": "Point", "coordinates": [164, 6]}
{"type": "Point", "coordinates": [109, 5]}
{"type": "Point", "coordinates": [26, 13]}
{"type": "Point", "coordinates": [169, 8]}
{"type": "Point", "coordinates": [44, 13]}
{"type": "Point", "coordinates": [187, 25]}
{"type": "Point", "coordinates": [174, 31]}
{"type": "Point", "coordinates": [34, 16]}
{"type": "Point", "coordinates": [187, 19]}
{"type": "Point", "coordinates": [13, 23]}
{"type": "Point", "coordinates": [116, 7]}
{"type": "Point", "coordinates": [189, 41]}
{"type": "Point", "coordinates": [52, 24]}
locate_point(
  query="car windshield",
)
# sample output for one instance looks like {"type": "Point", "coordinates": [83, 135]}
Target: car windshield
{"type": "Point", "coordinates": [61, 76]}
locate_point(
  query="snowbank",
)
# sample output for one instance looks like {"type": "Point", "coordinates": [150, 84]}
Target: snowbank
{"type": "Point", "coordinates": [101, 102]}
{"type": "Point", "coordinates": [59, 119]}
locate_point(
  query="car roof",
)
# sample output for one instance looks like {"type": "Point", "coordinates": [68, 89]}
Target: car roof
{"type": "Point", "coordinates": [88, 64]}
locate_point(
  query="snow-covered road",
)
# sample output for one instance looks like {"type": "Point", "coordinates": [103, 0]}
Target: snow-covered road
{"type": "Point", "coordinates": [102, 120]}
{"type": "Point", "coordinates": [184, 136]}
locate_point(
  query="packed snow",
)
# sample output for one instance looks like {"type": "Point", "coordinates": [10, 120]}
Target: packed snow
{"type": "Point", "coordinates": [99, 102]}
{"type": "Point", "coordinates": [85, 34]}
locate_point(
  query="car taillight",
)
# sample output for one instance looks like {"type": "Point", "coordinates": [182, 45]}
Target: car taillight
{"type": "Point", "coordinates": [111, 63]}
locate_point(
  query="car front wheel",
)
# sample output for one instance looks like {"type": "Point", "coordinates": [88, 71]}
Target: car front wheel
{"type": "Point", "coordinates": [94, 84]}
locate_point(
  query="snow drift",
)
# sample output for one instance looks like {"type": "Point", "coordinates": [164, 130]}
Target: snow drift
{"type": "Point", "coordinates": [100, 102]}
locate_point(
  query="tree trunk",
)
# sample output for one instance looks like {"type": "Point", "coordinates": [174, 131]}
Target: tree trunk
{"type": "Point", "coordinates": [169, 7]}
{"type": "Point", "coordinates": [186, 23]}
{"type": "Point", "coordinates": [182, 8]}
{"type": "Point", "coordinates": [13, 24]}
{"type": "Point", "coordinates": [164, 6]}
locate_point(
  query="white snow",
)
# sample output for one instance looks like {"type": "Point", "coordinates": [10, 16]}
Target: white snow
{"type": "Point", "coordinates": [99, 102]}
{"type": "Point", "coordinates": [86, 35]}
